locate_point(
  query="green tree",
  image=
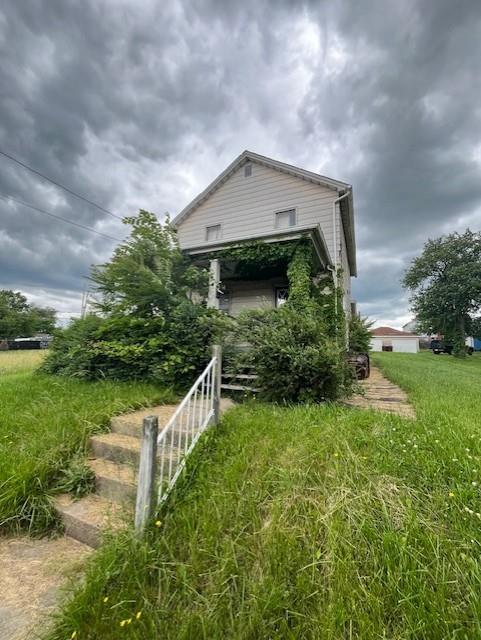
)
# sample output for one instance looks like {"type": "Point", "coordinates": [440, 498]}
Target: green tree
{"type": "Point", "coordinates": [360, 334]}
{"type": "Point", "coordinates": [445, 281]}
{"type": "Point", "coordinates": [20, 319]}
{"type": "Point", "coordinates": [151, 324]}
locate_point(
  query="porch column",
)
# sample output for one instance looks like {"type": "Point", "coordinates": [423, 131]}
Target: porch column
{"type": "Point", "coordinates": [214, 282]}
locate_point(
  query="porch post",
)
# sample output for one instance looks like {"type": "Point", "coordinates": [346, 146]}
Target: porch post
{"type": "Point", "coordinates": [214, 282]}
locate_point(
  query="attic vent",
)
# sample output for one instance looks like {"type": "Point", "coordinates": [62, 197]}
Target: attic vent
{"type": "Point", "coordinates": [247, 170]}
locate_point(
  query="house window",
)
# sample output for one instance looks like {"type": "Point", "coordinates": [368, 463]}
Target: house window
{"type": "Point", "coordinates": [247, 170]}
{"type": "Point", "coordinates": [285, 219]}
{"type": "Point", "coordinates": [212, 233]}
{"type": "Point", "coordinates": [387, 345]}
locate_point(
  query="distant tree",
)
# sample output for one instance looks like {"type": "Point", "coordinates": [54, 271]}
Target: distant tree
{"type": "Point", "coordinates": [360, 334]}
{"type": "Point", "coordinates": [445, 281]}
{"type": "Point", "coordinates": [20, 319]}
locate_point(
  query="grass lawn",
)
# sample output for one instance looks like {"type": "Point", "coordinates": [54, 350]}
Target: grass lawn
{"type": "Point", "coordinates": [312, 522]}
{"type": "Point", "coordinates": [44, 424]}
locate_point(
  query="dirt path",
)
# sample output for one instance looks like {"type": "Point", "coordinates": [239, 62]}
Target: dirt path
{"type": "Point", "coordinates": [382, 394]}
{"type": "Point", "coordinates": [32, 573]}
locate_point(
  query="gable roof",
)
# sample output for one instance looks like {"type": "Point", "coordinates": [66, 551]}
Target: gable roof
{"type": "Point", "coordinates": [346, 205]}
{"type": "Point", "coordinates": [389, 331]}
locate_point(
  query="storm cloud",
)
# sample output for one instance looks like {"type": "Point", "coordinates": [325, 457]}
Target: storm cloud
{"type": "Point", "coordinates": [141, 104]}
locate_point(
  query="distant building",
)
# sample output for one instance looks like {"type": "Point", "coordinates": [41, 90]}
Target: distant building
{"type": "Point", "coordinates": [389, 339]}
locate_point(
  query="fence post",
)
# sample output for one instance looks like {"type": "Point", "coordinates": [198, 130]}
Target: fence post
{"type": "Point", "coordinates": [147, 467]}
{"type": "Point", "coordinates": [217, 354]}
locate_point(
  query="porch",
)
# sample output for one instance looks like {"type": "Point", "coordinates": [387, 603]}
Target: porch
{"type": "Point", "coordinates": [254, 274]}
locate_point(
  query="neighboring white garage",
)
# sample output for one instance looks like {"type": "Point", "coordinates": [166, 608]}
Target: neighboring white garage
{"type": "Point", "coordinates": [389, 339]}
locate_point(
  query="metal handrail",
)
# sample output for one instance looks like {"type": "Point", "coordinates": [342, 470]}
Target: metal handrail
{"type": "Point", "coordinates": [181, 433]}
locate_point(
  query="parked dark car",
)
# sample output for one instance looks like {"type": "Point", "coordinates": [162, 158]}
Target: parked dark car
{"type": "Point", "coordinates": [442, 346]}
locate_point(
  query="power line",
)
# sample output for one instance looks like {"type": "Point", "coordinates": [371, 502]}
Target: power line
{"type": "Point", "coordinates": [53, 215]}
{"type": "Point", "coordinates": [57, 184]}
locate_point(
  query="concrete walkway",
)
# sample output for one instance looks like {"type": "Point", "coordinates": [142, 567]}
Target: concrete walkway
{"type": "Point", "coordinates": [383, 395]}
{"type": "Point", "coordinates": [32, 573]}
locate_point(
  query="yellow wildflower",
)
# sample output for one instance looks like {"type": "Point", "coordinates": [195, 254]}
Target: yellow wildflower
{"type": "Point", "coordinates": [451, 494]}
{"type": "Point", "coordinates": [128, 621]}
{"type": "Point", "coordinates": [74, 635]}
{"type": "Point", "coordinates": [122, 623]}
{"type": "Point", "coordinates": [138, 614]}
{"type": "Point", "coordinates": [106, 599]}
{"type": "Point", "coordinates": [158, 523]}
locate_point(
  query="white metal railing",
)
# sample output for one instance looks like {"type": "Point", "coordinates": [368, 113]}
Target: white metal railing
{"type": "Point", "coordinates": [173, 444]}
{"type": "Point", "coordinates": [197, 410]}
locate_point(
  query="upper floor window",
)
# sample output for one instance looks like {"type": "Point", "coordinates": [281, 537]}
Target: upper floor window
{"type": "Point", "coordinates": [285, 219]}
{"type": "Point", "coordinates": [212, 233]}
{"type": "Point", "coordinates": [247, 170]}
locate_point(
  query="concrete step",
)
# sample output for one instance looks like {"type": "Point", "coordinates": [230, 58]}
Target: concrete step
{"type": "Point", "coordinates": [122, 449]}
{"type": "Point", "coordinates": [130, 424]}
{"type": "Point", "coordinates": [87, 518]}
{"type": "Point", "coordinates": [240, 376]}
{"type": "Point", "coordinates": [116, 447]}
{"type": "Point", "coordinates": [114, 481]}
{"type": "Point", "coordinates": [238, 387]}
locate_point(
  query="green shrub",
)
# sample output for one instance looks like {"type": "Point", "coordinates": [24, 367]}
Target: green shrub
{"type": "Point", "coordinates": [294, 357]}
{"type": "Point", "coordinates": [359, 334]}
{"type": "Point", "coordinates": [151, 328]}
{"type": "Point", "coordinates": [167, 349]}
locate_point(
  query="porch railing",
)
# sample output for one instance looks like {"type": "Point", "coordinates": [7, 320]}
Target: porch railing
{"type": "Point", "coordinates": [171, 447]}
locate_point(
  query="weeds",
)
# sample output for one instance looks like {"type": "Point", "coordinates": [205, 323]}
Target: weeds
{"type": "Point", "coordinates": [44, 426]}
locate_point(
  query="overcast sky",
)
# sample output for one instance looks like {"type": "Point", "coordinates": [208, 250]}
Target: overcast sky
{"type": "Point", "coordinates": [141, 104]}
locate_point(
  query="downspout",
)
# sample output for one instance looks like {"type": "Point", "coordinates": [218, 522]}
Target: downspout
{"type": "Point", "coordinates": [336, 252]}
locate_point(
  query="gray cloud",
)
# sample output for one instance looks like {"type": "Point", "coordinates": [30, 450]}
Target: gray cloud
{"type": "Point", "coordinates": [141, 104]}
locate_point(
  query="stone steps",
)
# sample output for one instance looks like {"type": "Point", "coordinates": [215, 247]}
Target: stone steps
{"type": "Point", "coordinates": [114, 460]}
{"type": "Point", "coordinates": [85, 519]}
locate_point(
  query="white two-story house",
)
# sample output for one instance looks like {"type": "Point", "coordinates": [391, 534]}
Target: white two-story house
{"type": "Point", "coordinates": [259, 199]}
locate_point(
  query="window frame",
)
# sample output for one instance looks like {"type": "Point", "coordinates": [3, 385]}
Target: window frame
{"type": "Point", "coordinates": [248, 170]}
{"type": "Point", "coordinates": [292, 210]}
{"type": "Point", "coordinates": [213, 226]}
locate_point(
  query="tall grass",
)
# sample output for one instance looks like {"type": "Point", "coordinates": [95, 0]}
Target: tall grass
{"type": "Point", "coordinates": [312, 522]}
{"type": "Point", "coordinates": [44, 423]}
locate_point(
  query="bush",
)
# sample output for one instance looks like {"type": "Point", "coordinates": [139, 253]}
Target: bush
{"type": "Point", "coordinates": [360, 334]}
{"type": "Point", "coordinates": [294, 357]}
{"type": "Point", "coordinates": [150, 328]}
{"type": "Point", "coordinates": [167, 349]}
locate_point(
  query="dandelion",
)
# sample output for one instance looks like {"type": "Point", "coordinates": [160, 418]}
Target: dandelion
{"type": "Point", "coordinates": [138, 614]}
{"type": "Point", "coordinates": [158, 523]}
{"type": "Point", "coordinates": [128, 621]}
{"type": "Point", "coordinates": [122, 623]}
{"type": "Point", "coordinates": [106, 599]}
{"type": "Point", "coordinates": [451, 494]}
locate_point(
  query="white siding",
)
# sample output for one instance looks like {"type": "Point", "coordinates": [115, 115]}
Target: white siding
{"type": "Point", "coordinates": [399, 345]}
{"type": "Point", "coordinates": [245, 207]}
{"type": "Point", "coordinates": [255, 294]}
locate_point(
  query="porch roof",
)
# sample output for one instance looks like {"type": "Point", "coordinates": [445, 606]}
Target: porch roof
{"type": "Point", "coordinates": [313, 233]}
